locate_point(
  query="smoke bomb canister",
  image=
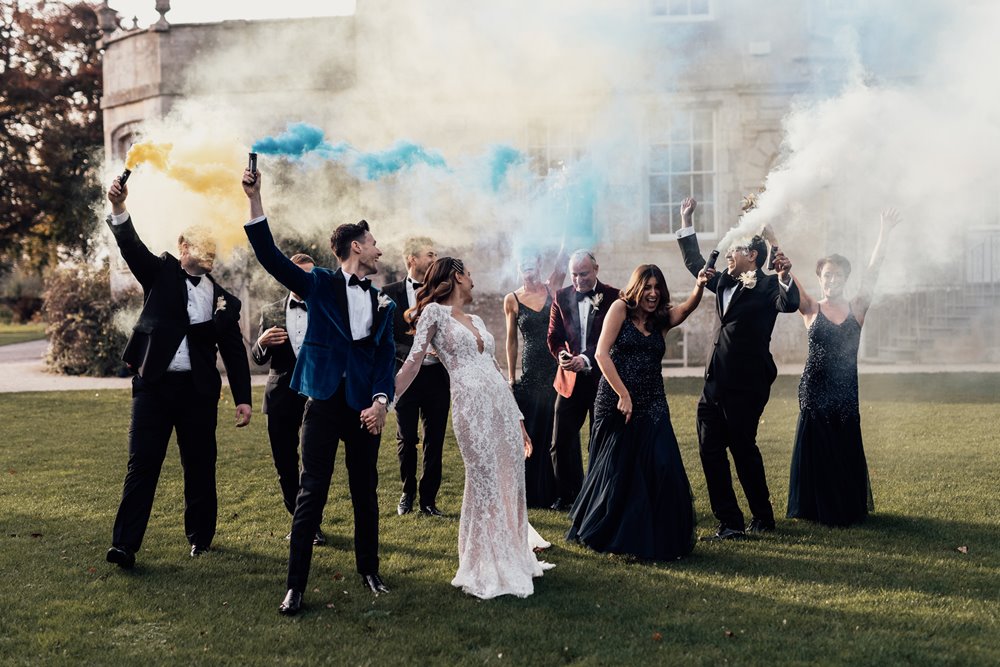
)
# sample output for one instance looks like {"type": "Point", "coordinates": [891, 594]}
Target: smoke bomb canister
{"type": "Point", "coordinates": [253, 163]}
{"type": "Point", "coordinates": [711, 259]}
{"type": "Point", "coordinates": [124, 177]}
{"type": "Point", "coordinates": [771, 256]}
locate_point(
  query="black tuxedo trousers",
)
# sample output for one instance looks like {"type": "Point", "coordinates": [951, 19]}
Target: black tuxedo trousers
{"type": "Point", "coordinates": [172, 402]}
{"type": "Point", "coordinates": [324, 424]}
{"type": "Point", "coordinates": [569, 416]}
{"type": "Point", "coordinates": [283, 429]}
{"type": "Point", "coordinates": [428, 400]}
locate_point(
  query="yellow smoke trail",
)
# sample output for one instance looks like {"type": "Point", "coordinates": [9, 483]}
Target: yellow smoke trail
{"type": "Point", "coordinates": [210, 170]}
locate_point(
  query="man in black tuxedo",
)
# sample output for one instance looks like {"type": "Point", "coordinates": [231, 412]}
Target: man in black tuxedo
{"type": "Point", "coordinates": [739, 374]}
{"type": "Point", "coordinates": [185, 318]}
{"type": "Point", "coordinates": [429, 395]}
{"type": "Point", "coordinates": [575, 321]}
{"type": "Point", "coordinates": [346, 368]}
{"type": "Point", "coordinates": [280, 335]}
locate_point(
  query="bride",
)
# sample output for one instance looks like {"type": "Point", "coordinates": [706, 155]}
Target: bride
{"type": "Point", "coordinates": [495, 541]}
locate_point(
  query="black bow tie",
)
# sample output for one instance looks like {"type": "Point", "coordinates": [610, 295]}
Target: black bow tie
{"type": "Point", "coordinates": [194, 279]}
{"type": "Point", "coordinates": [292, 303]}
{"type": "Point", "coordinates": [364, 283]}
{"type": "Point", "coordinates": [580, 296]}
{"type": "Point", "coordinates": [416, 285]}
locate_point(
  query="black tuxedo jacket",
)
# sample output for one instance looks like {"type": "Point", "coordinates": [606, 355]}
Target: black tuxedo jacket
{"type": "Point", "coordinates": [740, 360]}
{"type": "Point", "coordinates": [279, 398]}
{"type": "Point", "coordinates": [400, 327]}
{"type": "Point", "coordinates": [163, 322]}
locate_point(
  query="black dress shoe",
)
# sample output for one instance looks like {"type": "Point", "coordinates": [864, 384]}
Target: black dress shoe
{"type": "Point", "coordinates": [405, 504]}
{"type": "Point", "coordinates": [431, 510]}
{"type": "Point", "coordinates": [292, 603]}
{"type": "Point", "coordinates": [374, 583]}
{"type": "Point", "coordinates": [724, 532]}
{"type": "Point", "coordinates": [123, 558]}
{"type": "Point", "coordinates": [561, 505]}
{"type": "Point", "coordinates": [759, 526]}
{"type": "Point", "coordinates": [197, 550]}
{"type": "Point", "coordinates": [319, 540]}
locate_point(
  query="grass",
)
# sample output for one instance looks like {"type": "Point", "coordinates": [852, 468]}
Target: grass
{"type": "Point", "coordinates": [21, 333]}
{"type": "Point", "coordinates": [894, 590]}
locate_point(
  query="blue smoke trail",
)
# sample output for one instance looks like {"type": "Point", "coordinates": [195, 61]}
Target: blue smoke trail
{"type": "Point", "coordinates": [404, 154]}
{"type": "Point", "coordinates": [297, 140]}
{"type": "Point", "coordinates": [502, 159]}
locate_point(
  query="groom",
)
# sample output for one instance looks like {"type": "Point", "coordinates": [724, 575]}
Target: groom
{"type": "Point", "coordinates": [346, 369]}
{"type": "Point", "coordinates": [739, 374]}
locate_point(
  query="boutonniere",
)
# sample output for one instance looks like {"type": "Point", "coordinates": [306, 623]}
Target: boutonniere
{"type": "Point", "coordinates": [749, 279]}
{"type": "Point", "coordinates": [220, 304]}
{"type": "Point", "coordinates": [383, 301]}
{"type": "Point", "coordinates": [596, 300]}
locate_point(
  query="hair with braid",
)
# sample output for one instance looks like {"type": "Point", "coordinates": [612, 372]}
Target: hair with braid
{"type": "Point", "coordinates": [439, 283]}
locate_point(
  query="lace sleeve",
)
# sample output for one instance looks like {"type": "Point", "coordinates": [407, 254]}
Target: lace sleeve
{"type": "Point", "coordinates": [427, 327]}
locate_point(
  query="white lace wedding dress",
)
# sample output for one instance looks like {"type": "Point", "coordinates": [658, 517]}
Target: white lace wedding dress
{"type": "Point", "coordinates": [495, 541]}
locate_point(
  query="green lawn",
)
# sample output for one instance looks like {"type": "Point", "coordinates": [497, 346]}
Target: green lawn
{"type": "Point", "coordinates": [20, 333]}
{"type": "Point", "coordinates": [896, 590]}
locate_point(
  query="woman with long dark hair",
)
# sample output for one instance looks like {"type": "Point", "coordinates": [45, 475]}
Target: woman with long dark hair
{"type": "Point", "coordinates": [636, 499]}
{"type": "Point", "coordinates": [495, 554]}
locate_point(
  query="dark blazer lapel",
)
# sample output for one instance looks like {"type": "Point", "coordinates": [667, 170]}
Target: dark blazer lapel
{"type": "Point", "coordinates": [740, 289]}
{"type": "Point", "coordinates": [574, 317]}
{"type": "Point", "coordinates": [378, 314]}
{"type": "Point", "coordinates": [182, 294]}
{"type": "Point", "coordinates": [340, 298]}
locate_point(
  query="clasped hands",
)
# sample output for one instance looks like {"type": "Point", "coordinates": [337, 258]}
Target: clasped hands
{"type": "Point", "coordinates": [373, 418]}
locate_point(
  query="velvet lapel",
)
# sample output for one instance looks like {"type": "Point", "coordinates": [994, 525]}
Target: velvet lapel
{"type": "Point", "coordinates": [340, 299]}
{"type": "Point", "coordinates": [574, 316]}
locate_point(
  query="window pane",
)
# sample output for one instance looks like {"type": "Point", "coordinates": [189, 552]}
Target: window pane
{"type": "Point", "coordinates": [659, 189]}
{"type": "Point", "coordinates": [659, 220]}
{"type": "Point", "coordinates": [659, 7]}
{"type": "Point", "coordinates": [680, 127]}
{"type": "Point", "coordinates": [701, 188]}
{"type": "Point", "coordinates": [704, 218]}
{"type": "Point", "coordinates": [702, 122]}
{"type": "Point", "coordinates": [658, 158]}
{"type": "Point", "coordinates": [678, 8]}
{"type": "Point", "coordinates": [699, 7]}
{"type": "Point", "coordinates": [703, 159]}
{"type": "Point", "coordinates": [680, 158]}
{"type": "Point", "coordinates": [680, 187]}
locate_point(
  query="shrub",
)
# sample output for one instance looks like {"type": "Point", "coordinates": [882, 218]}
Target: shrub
{"type": "Point", "coordinates": [81, 317]}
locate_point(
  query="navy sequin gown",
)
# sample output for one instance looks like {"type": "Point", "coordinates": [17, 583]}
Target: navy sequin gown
{"type": "Point", "coordinates": [636, 499]}
{"type": "Point", "coordinates": [829, 476]}
{"type": "Point", "coordinates": [536, 399]}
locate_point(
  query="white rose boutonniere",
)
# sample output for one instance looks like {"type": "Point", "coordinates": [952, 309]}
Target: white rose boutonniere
{"type": "Point", "coordinates": [595, 301]}
{"type": "Point", "coordinates": [749, 279]}
{"type": "Point", "coordinates": [383, 301]}
{"type": "Point", "coordinates": [220, 304]}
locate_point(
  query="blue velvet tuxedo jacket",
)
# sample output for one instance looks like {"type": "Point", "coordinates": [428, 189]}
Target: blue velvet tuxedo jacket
{"type": "Point", "coordinates": [329, 354]}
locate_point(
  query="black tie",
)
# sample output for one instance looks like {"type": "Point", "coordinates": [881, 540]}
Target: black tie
{"type": "Point", "coordinates": [292, 303]}
{"type": "Point", "coordinates": [580, 296]}
{"type": "Point", "coordinates": [194, 280]}
{"type": "Point", "coordinates": [363, 283]}
{"type": "Point", "coordinates": [416, 285]}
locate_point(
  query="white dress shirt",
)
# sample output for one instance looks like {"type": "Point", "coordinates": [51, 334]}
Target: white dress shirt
{"type": "Point", "coordinates": [359, 308]}
{"type": "Point", "coordinates": [296, 321]}
{"type": "Point", "coordinates": [199, 309]}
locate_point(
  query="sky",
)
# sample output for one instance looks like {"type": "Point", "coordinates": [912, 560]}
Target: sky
{"type": "Point", "coordinates": [200, 11]}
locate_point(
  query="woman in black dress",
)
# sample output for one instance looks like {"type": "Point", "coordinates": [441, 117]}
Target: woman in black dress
{"type": "Point", "coordinates": [527, 310]}
{"type": "Point", "coordinates": [636, 499]}
{"type": "Point", "coordinates": [829, 476]}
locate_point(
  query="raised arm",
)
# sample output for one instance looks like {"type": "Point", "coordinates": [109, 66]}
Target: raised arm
{"type": "Point", "coordinates": [143, 264]}
{"type": "Point", "coordinates": [680, 312]}
{"type": "Point", "coordinates": [609, 333]}
{"type": "Point", "coordinates": [427, 327]}
{"type": "Point", "coordinates": [890, 218]}
{"type": "Point", "coordinates": [510, 316]}
{"type": "Point", "coordinates": [268, 254]}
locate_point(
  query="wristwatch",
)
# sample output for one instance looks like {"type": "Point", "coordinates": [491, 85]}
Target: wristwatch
{"type": "Point", "coordinates": [383, 400]}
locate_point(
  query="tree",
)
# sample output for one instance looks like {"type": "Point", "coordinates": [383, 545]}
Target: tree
{"type": "Point", "coordinates": [51, 137]}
